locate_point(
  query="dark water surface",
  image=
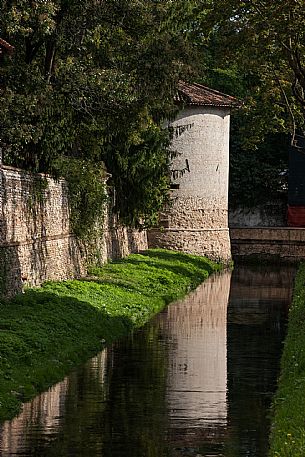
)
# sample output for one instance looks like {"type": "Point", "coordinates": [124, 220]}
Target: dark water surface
{"type": "Point", "coordinates": [196, 381]}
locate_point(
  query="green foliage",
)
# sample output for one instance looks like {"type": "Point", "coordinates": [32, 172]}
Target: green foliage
{"type": "Point", "coordinates": [266, 40]}
{"type": "Point", "coordinates": [259, 128]}
{"type": "Point", "coordinates": [88, 196]}
{"type": "Point", "coordinates": [3, 272]}
{"type": "Point", "coordinates": [259, 175]}
{"type": "Point", "coordinates": [141, 175]}
{"type": "Point", "coordinates": [288, 431]}
{"type": "Point", "coordinates": [44, 332]}
{"type": "Point", "coordinates": [38, 186]}
{"type": "Point", "coordinates": [94, 80]}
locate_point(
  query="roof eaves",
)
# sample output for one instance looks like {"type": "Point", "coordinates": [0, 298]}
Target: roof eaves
{"type": "Point", "coordinates": [199, 95]}
{"type": "Point", "coordinates": [225, 105]}
{"type": "Point", "coordinates": [8, 47]}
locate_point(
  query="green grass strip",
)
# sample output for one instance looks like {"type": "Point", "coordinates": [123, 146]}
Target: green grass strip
{"type": "Point", "coordinates": [288, 429]}
{"type": "Point", "coordinates": [47, 331]}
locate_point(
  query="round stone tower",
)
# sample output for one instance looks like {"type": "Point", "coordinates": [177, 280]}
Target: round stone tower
{"type": "Point", "coordinates": [196, 222]}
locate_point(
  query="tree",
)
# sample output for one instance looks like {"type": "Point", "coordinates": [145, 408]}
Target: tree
{"type": "Point", "coordinates": [245, 54]}
{"type": "Point", "coordinates": [267, 38]}
{"type": "Point", "coordinates": [94, 80]}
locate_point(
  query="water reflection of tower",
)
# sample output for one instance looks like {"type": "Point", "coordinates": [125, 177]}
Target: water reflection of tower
{"type": "Point", "coordinates": [197, 379]}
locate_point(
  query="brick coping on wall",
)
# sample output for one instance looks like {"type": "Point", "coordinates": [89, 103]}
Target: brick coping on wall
{"type": "Point", "coordinates": [29, 173]}
{"type": "Point", "coordinates": [286, 243]}
{"type": "Point", "coordinates": [271, 232]}
{"type": "Point", "coordinates": [173, 229]}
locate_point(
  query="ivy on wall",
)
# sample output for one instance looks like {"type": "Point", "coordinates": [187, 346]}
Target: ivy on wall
{"type": "Point", "coordinates": [87, 195]}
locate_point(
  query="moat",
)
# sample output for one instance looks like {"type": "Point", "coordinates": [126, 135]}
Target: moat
{"type": "Point", "coordinates": [197, 380]}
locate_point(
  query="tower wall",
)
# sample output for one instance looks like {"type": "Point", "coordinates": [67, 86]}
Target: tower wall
{"type": "Point", "coordinates": [197, 220]}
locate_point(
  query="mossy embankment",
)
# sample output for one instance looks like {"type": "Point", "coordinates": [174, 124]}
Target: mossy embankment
{"type": "Point", "coordinates": [288, 429]}
{"type": "Point", "coordinates": [46, 331]}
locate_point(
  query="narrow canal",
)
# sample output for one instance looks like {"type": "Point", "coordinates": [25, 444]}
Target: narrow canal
{"type": "Point", "coordinates": [196, 381]}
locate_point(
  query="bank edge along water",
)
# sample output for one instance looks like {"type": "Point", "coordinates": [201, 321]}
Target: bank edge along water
{"type": "Point", "coordinates": [288, 429]}
{"type": "Point", "coordinates": [47, 331]}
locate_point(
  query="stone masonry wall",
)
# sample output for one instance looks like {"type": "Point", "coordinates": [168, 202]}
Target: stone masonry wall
{"type": "Point", "coordinates": [214, 244]}
{"type": "Point", "coordinates": [193, 212]}
{"type": "Point", "coordinates": [36, 243]}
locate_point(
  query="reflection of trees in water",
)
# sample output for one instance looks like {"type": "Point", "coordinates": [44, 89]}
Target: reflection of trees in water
{"type": "Point", "coordinates": [256, 329]}
{"type": "Point", "coordinates": [136, 408]}
{"type": "Point", "coordinates": [44, 425]}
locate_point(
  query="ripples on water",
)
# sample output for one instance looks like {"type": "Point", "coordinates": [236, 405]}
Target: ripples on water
{"type": "Point", "coordinates": [196, 381]}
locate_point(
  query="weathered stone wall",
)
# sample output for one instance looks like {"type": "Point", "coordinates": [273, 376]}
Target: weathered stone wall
{"type": "Point", "coordinates": [210, 243]}
{"type": "Point", "coordinates": [287, 244]}
{"type": "Point", "coordinates": [271, 214]}
{"type": "Point", "coordinates": [197, 220]}
{"type": "Point", "coordinates": [36, 243]}
{"type": "Point", "coordinates": [193, 213]}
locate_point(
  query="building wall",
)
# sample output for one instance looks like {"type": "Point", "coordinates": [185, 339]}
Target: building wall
{"type": "Point", "coordinates": [197, 220]}
{"type": "Point", "coordinates": [36, 243]}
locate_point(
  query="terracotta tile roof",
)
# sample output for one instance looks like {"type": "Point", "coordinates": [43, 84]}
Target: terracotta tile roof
{"type": "Point", "coordinates": [199, 95]}
{"type": "Point", "coordinates": [4, 45]}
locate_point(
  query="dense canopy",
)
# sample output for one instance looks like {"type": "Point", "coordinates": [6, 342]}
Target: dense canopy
{"type": "Point", "coordinates": [94, 80]}
{"type": "Point", "coordinates": [91, 82]}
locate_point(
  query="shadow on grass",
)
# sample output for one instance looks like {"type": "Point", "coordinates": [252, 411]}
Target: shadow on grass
{"type": "Point", "coordinates": [42, 337]}
{"type": "Point", "coordinates": [59, 311]}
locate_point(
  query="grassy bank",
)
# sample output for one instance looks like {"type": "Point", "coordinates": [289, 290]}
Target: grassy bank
{"type": "Point", "coordinates": [46, 331]}
{"type": "Point", "coordinates": [288, 431]}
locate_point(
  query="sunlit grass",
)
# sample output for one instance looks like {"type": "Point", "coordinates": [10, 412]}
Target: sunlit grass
{"type": "Point", "coordinates": [288, 430]}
